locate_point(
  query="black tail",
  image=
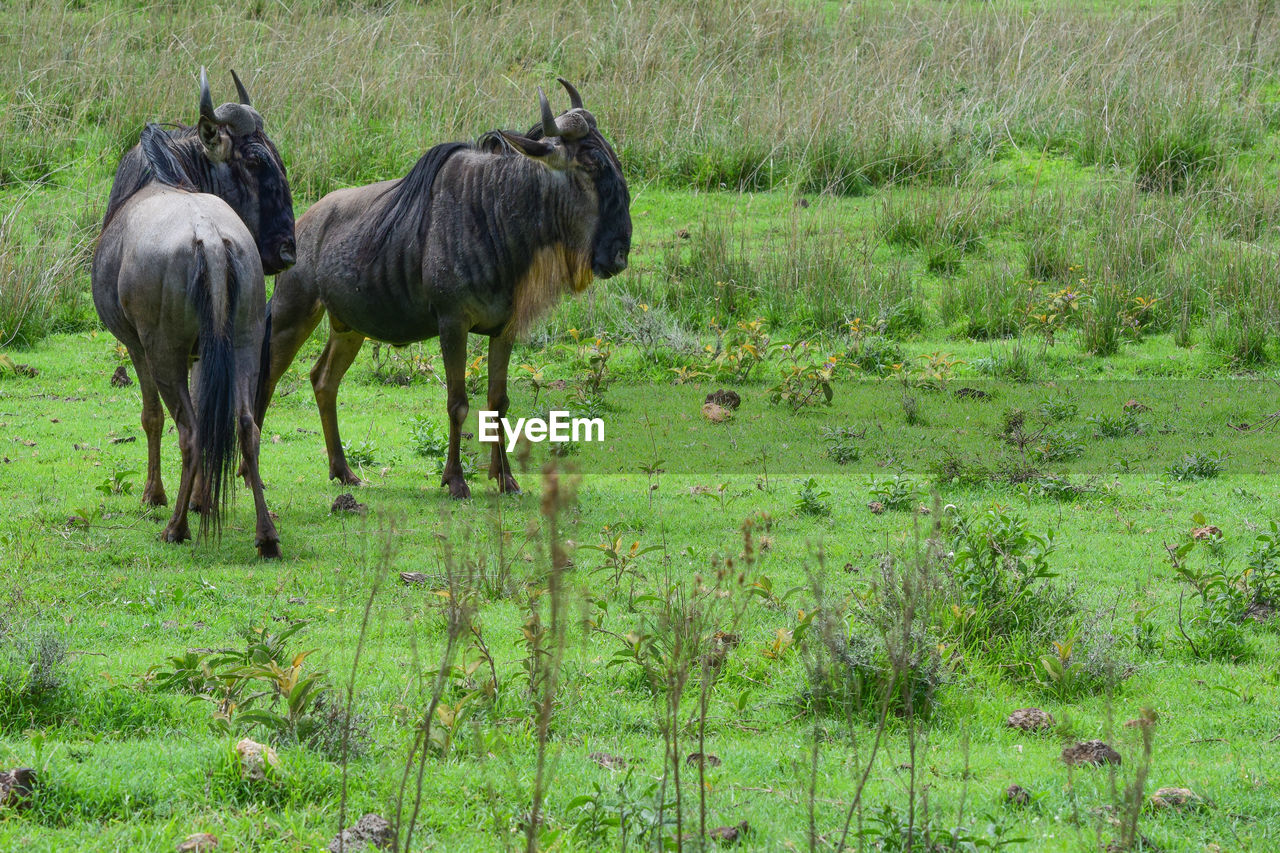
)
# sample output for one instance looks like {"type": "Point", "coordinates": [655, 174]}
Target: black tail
{"type": "Point", "coordinates": [264, 372]}
{"type": "Point", "coordinates": [216, 390]}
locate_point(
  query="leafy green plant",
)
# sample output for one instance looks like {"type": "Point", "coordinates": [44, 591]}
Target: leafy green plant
{"type": "Point", "coordinates": [1117, 426]}
{"type": "Point", "coordinates": [429, 438]}
{"type": "Point", "coordinates": [996, 556]}
{"type": "Point", "coordinates": [1216, 629]}
{"type": "Point", "coordinates": [899, 492]}
{"type": "Point", "coordinates": [119, 483]}
{"type": "Point", "coordinates": [264, 685]}
{"type": "Point", "coordinates": [1055, 445]}
{"type": "Point", "coordinates": [841, 444]}
{"type": "Point", "coordinates": [620, 561]}
{"type": "Point", "coordinates": [812, 500]}
{"type": "Point", "coordinates": [362, 454]}
{"type": "Point", "coordinates": [34, 675]}
{"type": "Point", "coordinates": [1197, 466]}
{"type": "Point", "coordinates": [1263, 563]}
{"type": "Point", "coordinates": [873, 355]}
{"type": "Point", "coordinates": [1058, 408]}
{"type": "Point", "coordinates": [1058, 673]}
{"type": "Point", "coordinates": [805, 381]}
{"type": "Point", "coordinates": [736, 354]}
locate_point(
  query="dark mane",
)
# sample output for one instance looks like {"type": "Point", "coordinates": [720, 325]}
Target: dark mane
{"type": "Point", "coordinates": [406, 201]}
{"type": "Point", "coordinates": [135, 171]}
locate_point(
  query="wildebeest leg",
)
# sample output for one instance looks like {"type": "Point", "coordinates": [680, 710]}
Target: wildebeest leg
{"type": "Point", "coordinates": [293, 319]}
{"type": "Point", "coordinates": [339, 352]}
{"type": "Point", "coordinates": [177, 397]}
{"type": "Point", "coordinates": [453, 346]}
{"type": "Point", "coordinates": [499, 359]}
{"type": "Point", "coordinates": [153, 425]}
{"type": "Point", "coordinates": [265, 536]}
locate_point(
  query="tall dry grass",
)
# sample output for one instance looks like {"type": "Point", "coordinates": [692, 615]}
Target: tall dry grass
{"type": "Point", "coordinates": [693, 93]}
{"type": "Point", "coordinates": [1170, 98]}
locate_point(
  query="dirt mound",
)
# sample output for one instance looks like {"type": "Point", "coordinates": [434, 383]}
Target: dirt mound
{"type": "Point", "coordinates": [371, 832]}
{"type": "Point", "coordinates": [1030, 720]}
{"type": "Point", "coordinates": [1091, 753]}
{"type": "Point", "coordinates": [346, 502]}
{"type": "Point", "coordinates": [725, 399]}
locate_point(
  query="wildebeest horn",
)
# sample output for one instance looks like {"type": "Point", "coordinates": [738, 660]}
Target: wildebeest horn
{"type": "Point", "coordinates": [549, 128]}
{"type": "Point", "coordinates": [575, 100]}
{"type": "Point", "coordinates": [206, 100]}
{"type": "Point", "coordinates": [244, 96]}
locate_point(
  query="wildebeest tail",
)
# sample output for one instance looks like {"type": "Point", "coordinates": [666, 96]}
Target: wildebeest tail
{"type": "Point", "coordinates": [213, 293]}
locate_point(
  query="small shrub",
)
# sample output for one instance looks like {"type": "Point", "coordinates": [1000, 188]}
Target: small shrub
{"type": "Point", "coordinates": [997, 558]}
{"type": "Point", "coordinates": [911, 410]}
{"type": "Point", "coordinates": [806, 382]}
{"type": "Point", "coordinates": [1055, 445]}
{"type": "Point", "coordinates": [875, 355]}
{"type": "Point", "coordinates": [1117, 426]}
{"type": "Point", "coordinates": [898, 492]}
{"type": "Point", "coordinates": [33, 675]}
{"type": "Point", "coordinates": [1213, 629]}
{"type": "Point", "coordinates": [362, 454]}
{"type": "Point", "coordinates": [953, 469]}
{"type": "Point", "coordinates": [1058, 408]}
{"type": "Point", "coordinates": [1058, 488]}
{"type": "Point", "coordinates": [428, 437]}
{"type": "Point", "coordinates": [1197, 466]}
{"type": "Point", "coordinates": [1263, 563]}
{"type": "Point", "coordinates": [841, 444]}
{"type": "Point", "coordinates": [812, 500]}
{"type": "Point", "coordinates": [867, 679]}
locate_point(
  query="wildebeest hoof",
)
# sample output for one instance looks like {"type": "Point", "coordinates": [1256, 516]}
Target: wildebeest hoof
{"type": "Point", "coordinates": [172, 535]}
{"type": "Point", "coordinates": [347, 477]}
{"type": "Point", "coordinates": [509, 486]}
{"type": "Point", "coordinates": [156, 498]}
{"type": "Point", "coordinates": [459, 490]}
{"type": "Point", "coordinates": [269, 550]}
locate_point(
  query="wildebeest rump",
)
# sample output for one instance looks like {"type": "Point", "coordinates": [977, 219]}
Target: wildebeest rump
{"type": "Point", "coordinates": [475, 238]}
{"type": "Point", "coordinates": [194, 216]}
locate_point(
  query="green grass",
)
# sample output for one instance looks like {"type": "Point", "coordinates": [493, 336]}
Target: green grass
{"type": "Point", "coordinates": [1065, 207]}
{"type": "Point", "coordinates": [143, 769]}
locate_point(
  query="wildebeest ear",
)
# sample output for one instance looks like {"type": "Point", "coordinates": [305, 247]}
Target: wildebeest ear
{"type": "Point", "coordinates": [217, 142]}
{"type": "Point", "coordinates": [537, 149]}
{"type": "Point", "coordinates": [158, 150]}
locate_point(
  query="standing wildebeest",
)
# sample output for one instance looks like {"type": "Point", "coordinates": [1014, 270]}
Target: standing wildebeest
{"type": "Point", "coordinates": [195, 217]}
{"type": "Point", "coordinates": [473, 239]}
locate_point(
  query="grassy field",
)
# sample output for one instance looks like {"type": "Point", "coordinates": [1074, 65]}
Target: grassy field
{"type": "Point", "coordinates": [996, 283]}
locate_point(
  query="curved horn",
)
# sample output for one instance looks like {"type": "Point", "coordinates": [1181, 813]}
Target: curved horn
{"type": "Point", "coordinates": [244, 96]}
{"type": "Point", "coordinates": [206, 100]}
{"type": "Point", "coordinates": [575, 100]}
{"type": "Point", "coordinates": [549, 128]}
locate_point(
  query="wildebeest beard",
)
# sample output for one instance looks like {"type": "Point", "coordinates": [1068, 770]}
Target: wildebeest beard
{"type": "Point", "coordinates": [612, 238]}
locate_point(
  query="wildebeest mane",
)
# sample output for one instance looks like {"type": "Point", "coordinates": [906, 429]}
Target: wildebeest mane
{"type": "Point", "coordinates": [136, 171]}
{"type": "Point", "coordinates": [407, 202]}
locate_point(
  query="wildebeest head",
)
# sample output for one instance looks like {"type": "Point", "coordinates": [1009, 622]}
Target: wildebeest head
{"type": "Point", "coordinates": [246, 171]}
{"type": "Point", "coordinates": [572, 142]}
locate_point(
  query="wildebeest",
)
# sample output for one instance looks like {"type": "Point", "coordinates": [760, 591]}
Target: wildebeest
{"type": "Point", "coordinates": [475, 238]}
{"type": "Point", "coordinates": [195, 217]}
